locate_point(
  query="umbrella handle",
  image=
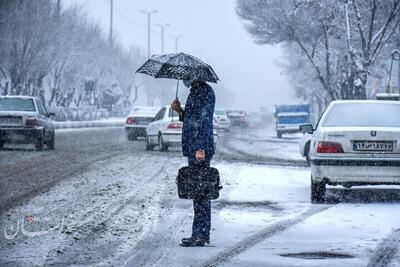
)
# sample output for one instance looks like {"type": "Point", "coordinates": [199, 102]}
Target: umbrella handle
{"type": "Point", "coordinates": [177, 87]}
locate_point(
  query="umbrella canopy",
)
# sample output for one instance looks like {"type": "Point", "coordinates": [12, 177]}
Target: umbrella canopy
{"type": "Point", "coordinates": [179, 66]}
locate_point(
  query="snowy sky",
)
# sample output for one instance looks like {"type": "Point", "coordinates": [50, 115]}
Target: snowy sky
{"type": "Point", "coordinates": [211, 31]}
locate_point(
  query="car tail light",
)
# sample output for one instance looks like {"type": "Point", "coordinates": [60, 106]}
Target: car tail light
{"type": "Point", "coordinates": [31, 121]}
{"type": "Point", "coordinates": [329, 147]}
{"type": "Point", "coordinates": [130, 121]}
{"type": "Point", "coordinates": [175, 125]}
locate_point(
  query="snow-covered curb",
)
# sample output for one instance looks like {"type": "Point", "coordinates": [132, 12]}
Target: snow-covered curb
{"type": "Point", "coordinates": [114, 122]}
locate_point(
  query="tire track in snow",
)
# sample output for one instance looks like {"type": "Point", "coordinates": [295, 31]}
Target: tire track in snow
{"type": "Point", "coordinates": [267, 232]}
{"type": "Point", "coordinates": [156, 244]}
{"type": "Point", "coordinates": [91, 228]}
{"type": "Point", "coordinates": [386, 250]}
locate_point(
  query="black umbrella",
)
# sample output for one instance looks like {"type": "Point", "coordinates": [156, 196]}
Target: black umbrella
{"type": "Point", "coordinates": [178, 66]}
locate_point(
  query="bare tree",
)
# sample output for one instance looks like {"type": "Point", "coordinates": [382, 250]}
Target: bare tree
{"type": "Point", "coordinates": [46, 48]}
{"type": "Point", "coordinates": [339, 40]}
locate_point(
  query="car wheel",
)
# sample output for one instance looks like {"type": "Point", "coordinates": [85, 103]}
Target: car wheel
{"type": "Point", "coordinates": [1, 144]}
{"type": "Point", "coordinates": [149, 146]}
{"type": "Point", "coordinates": [39, 142]}
{"type": "Point", "coordinates": [161, 145]}
{"type": "Point", "coordinates": [317, 191]}
{"type": "Point", "coordinates": [52, 142]}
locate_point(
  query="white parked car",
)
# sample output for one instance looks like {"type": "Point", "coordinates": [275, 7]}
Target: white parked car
{"type": "Point", "coordinates": [356, 142]}
{"type": "Point", "coordinates": [222, 121]}
{"type": "Point", "coordinates": [166, 130]}
{"type": "Point", "coordinates": [137, 121]}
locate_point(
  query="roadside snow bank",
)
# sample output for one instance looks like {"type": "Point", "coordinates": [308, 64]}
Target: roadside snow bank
{"type": "Point", "coordinates": [112, 122]}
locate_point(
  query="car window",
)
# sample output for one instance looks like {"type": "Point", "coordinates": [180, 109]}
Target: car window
{"type": "Point", "coordinates": [219, 113]}
{"type": "Point", "coordinates": [41, 108]}
{"type": "Point", "coordinates": [363, 115]}
{"type": "Point", "coordinates": [160, 115]}
{"type": "Point", "coordinates": [157, 115]}
{"type": "Point", "coordinates": [17, 104]}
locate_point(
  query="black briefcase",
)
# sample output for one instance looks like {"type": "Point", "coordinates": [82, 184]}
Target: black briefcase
{"type": "Point", "coordinates": [198, 181]}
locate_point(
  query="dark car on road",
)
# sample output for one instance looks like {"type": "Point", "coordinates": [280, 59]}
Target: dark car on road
{"type": "Point", "coordinates": [238, 118]}
{"type": "Point", "coordinates": [137, 121]}
{"type": "Point", "coordinates": [25, 120]}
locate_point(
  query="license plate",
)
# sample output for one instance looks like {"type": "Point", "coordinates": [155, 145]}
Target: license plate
{"type": "Point", "coordinates": [10, 120]}
{"type": "Point", "coordinates": [379, 146]}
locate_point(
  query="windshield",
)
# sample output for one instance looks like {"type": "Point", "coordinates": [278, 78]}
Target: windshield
{"type": "Point", "coordinates": [16, 104]}
{"type": "Point", "coordinates": [363, 115]}
{"type": "Point", "coordinates": [219, 113]}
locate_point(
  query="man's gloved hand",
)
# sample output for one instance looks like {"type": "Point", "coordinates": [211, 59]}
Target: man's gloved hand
{"type": "Point", "coordinates": [176, 105]}
{"type": "Point", "coordinates": [200, 155]}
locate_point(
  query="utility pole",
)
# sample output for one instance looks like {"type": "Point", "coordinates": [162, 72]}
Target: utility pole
{"type": "Point", "coordinates": [148, 29]}
{"type": "Point", "coordinates": [176, 37]}
{"type": "Point", "coordinates": [398, 62]}
{"type": "Point", "coordinates": [162, 26]}
{"type": "Point", "coordinates": [111, 37]}
{"type": "Point", "coordinates": [58, 9]}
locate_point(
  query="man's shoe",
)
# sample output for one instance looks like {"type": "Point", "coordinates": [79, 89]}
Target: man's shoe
{"type": "Point", "coordinates": [188, 242]}
{"type": "Point", "coordinates": [195, 242]}
{"type": "Point", "coordinates": [201, 241]}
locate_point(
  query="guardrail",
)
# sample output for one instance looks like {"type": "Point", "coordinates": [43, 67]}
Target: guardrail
{"type": "Point", "coordinates": [89, 124]}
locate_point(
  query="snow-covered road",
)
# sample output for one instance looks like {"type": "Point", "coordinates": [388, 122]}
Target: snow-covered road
{"type": "Point", "coordinates": [116, 204]}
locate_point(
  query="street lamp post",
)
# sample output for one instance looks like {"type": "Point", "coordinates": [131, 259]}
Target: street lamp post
{"type": "Point", "coordinates": [148, 29]}
{"type": "Point", "coordinates": [394, 56]}
{"type": "Point", "coordinates": [162, 27]}
{"type": "Point", "coordinates": [176, 37]}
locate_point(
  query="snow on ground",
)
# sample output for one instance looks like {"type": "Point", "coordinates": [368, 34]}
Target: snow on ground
{"type": "Point", "coordinates": [97, 216]}
{"type": "Point", "coordinates": [125, 212]}
{"type": "Point", "coordinates": [253, 198]}
{"type": "Point", "coordinates": [282, 190]}
{"type": "Point", "coordinates": [257, 197]}
{"type": "Point", "coordinates": [350, 230]}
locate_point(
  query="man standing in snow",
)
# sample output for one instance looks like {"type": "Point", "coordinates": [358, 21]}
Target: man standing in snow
{"type": "Point", "coordinates": [198, 147]}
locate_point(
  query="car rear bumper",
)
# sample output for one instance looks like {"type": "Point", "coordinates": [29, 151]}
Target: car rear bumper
{"type": "Point", "coordinates": [239, 122]}
{"type": "Point", "coordinates": [356, 171]}
{"type": "Point", "coordinates": [19, 135]}
{"type": "Point", "coordinates": [172, 139]}
{"type": "Point", "coordinates": [136, 130]}
{"type": "Point", "coordinates": [224, 126]}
